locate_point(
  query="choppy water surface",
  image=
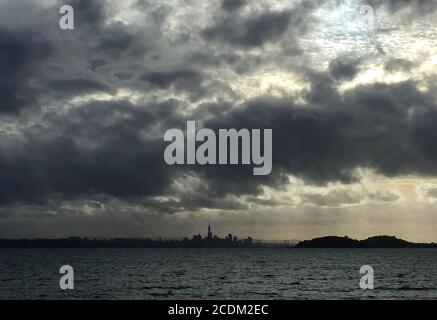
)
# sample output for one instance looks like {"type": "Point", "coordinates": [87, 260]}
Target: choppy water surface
{"type": "Point", "coordinates": [218, 273]}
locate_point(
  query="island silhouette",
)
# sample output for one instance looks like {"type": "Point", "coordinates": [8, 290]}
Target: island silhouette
{"type": "Point", "coordinates": [372, 242]}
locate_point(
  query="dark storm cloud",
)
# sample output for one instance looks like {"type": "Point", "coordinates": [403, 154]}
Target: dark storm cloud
{"type": "Point", "coordinates": [424, 136]}
{"type": "Point", "coordinates": [322, 89]}
{"type": "Point", "coordinates": [187, 81]}
{"type": "Point", "coordinates": [184, 79]}
{"type": "Point", "coordinates": [107, 148]}
{"type": "Point", "coordinates": [231, 5]}
{"type": "Point", "coordinates": [249, 32]}
{"type": "Point", "coordinates": [239, 63]}
{"type": "Point", "coordinates": [21, 53]}
{"type": "Point", "coordinates": [98, 148]}
{"type": "Point", "coordinates": [107, 55]}
{"type": "Point", "coordinates": [252, 28]}
{"type": "Point", "coordinates": [97, 63]}
{"type": "Point", "coordinates": [115, 149]}
{"type": "Point", "coordinates": [256, 28]}
{"type": "Point", "coordinates": [387, 128]}
{"type": "Point", "coordinates": [40, 61]}
{"type": "Point", "coordinates": [344, 69]}
{"type": "Point", "coordinates": [78, 86]}
{"type": "Point", "coordinates": [117, 41]}
{"type": "Point", "coordinates": [88, 13]}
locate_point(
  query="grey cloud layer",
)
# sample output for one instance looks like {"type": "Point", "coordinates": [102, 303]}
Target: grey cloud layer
{"type": "Point", "coordinates": [21, 54]}
{"type": "Point", "coordinates": [115, 148]}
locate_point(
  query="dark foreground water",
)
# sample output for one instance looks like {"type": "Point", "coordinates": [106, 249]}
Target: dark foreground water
{"type": "Point", "coordinates": [218, 273]}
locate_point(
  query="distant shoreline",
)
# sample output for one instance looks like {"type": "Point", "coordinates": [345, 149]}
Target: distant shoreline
{"type": "Point", "coordinates": [75, 242]}
{"type": "Point", "coordinates": [381, 242]}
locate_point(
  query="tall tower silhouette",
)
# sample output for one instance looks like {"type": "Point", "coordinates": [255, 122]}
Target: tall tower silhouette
{"type": "Point", "coordinates": [209, 229]}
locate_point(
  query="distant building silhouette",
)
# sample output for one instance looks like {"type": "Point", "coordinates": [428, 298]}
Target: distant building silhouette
{"type": "Point", "coordinates": [210, 241]}
{"type": "Point", "coordinates": [209, 237]}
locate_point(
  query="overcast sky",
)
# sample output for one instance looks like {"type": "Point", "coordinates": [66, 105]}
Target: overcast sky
{"type": "Point", "coordinates": [353, 112]}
